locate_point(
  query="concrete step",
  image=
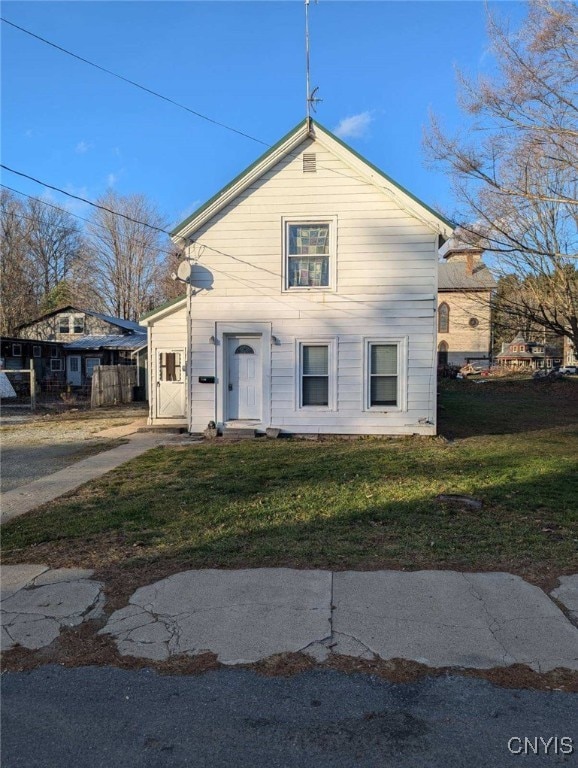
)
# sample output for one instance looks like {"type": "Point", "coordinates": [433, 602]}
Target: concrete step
{"type": "Point", "coordinates": [239, 433]}
{"type": "Point", "coordinates": [164, 429]}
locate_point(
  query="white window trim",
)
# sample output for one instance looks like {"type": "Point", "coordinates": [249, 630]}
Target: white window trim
{"type": "Point", "coordinates": [402, 375]}
{"type": "Point", "coordinates": [332, 343]}
{"type": "Point", "coordinates": [73, 324]}
{"type": "Point", "coordinates": [54, 360]}
{"type": "Point", "coordinates": [65, 317]}
{"type": "Point", "coordinates": [309, 219]}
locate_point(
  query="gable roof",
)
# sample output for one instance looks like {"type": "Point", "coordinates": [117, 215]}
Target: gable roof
{"type": "Point", "coordinates": [127, 325]}
{"type": "Point", "coordinates": [453, 276]}
{"type": "Point", "coordinates": [309, 129]}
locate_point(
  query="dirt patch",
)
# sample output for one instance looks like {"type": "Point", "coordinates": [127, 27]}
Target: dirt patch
{"type": "Point", "coordinates": [45, 443]}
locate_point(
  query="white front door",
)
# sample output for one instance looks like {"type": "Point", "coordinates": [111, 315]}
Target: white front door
{"type": "Point", "coordinates": [74, 370]}
{"type": "Point", "coordinates": [170, 383]}
{"type": "Point", "coordinates": [244, 378]}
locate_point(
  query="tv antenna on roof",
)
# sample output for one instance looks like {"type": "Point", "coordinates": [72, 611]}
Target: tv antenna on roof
{"type": "Point", "coordinates": [312, 100]}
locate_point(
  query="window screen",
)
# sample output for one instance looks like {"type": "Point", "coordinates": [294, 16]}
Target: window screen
{"type": "Point", "coordinates": [308, 255]}
{"type": "Point", "coordinates": [315, 375]}
{"type": "Point", "coordinates": [383, 375]}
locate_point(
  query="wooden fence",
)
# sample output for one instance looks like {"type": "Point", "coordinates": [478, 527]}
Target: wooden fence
{"type": "Point", "coordinates": [112, 385]}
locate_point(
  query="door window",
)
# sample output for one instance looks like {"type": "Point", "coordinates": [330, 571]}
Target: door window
{"type": "Point", "coordinates": [170, 366]}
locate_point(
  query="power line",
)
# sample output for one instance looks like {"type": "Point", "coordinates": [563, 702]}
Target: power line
{"type": "Point", "coordinates": [77, 216]}
{"type": "Point", "coordinates": [134, 83]}
{"type": "Point", "coordinates": [84, 200]}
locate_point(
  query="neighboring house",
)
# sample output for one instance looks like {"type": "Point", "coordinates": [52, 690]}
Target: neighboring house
{"type": "Point", "coordinates": [464, 306]}
{"type": "Point", "coordinates": [313, 301]}
{"type": "Point", "coordinates": [521, 354]}
{"type": "Point", "coordinates": [88, 339]}
{"type": "Point", "coordinates": [48, 357]}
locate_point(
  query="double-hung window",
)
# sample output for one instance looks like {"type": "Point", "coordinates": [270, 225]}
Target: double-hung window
{"type": "Point", "coordinates": [385, 366]}
{"type": "Point", "coordinates": [309, 253]}
{"type": "Point", "coordinates": [316, 376]}
{"type": "Point", "coordinates": [78, 324]}
{"type": "Point", "coordinates": [64, 324]}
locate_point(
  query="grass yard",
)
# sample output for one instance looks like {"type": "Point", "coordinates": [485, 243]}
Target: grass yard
{"type": "Point", "coordinates": [363, 503]}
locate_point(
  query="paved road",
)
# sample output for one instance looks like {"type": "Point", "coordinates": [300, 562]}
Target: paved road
{"type": "Point", "coordinates": [101, 717]}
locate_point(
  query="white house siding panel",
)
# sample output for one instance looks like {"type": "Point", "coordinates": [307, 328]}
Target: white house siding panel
{"type": "Point", "coordinates": [385, 287]}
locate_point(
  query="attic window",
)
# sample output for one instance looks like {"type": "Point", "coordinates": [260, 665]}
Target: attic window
{"type": "Point", "coordinates": [309, 162]}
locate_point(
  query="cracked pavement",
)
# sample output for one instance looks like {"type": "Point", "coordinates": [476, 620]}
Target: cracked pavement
{"type": "Point", "coordinates": [37, 603]}
{"type": "Point", "coordinates": [437, 618]}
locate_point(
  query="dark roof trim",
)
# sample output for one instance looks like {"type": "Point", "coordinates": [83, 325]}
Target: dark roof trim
{"type": "Point", "coordinates": [160, 308]}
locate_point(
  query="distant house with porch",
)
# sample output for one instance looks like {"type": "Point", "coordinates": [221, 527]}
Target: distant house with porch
{"type": "Point", "coordinates": [88, 339]}
{"type": "Point", "coordinates": [521, 354]}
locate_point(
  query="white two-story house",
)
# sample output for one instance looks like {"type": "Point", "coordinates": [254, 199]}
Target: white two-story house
{"type": "Point", "coordinates": [312, 301]}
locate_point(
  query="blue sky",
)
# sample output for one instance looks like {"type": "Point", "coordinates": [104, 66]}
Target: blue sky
{"type": "Point", "coordinates": [380, 67]}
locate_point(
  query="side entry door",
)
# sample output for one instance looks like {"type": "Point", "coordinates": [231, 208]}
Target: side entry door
{"type": "Point", "coordinates": [170, 383]}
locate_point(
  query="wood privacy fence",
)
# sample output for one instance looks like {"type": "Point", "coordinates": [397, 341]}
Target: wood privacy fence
{"type": "Point", "coordinates": [112, 384]}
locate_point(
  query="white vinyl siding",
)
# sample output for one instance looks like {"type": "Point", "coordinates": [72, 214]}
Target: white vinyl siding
{"type": "Point", "coordinates": [383, 289]}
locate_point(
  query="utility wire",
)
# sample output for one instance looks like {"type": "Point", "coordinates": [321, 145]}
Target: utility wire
{"type": "Point", "coordinates": [77, 216]}
{"type": "Point", "coordinates": [132, 82]}
{"type": "Point", "coordinates": [158, 229]}
{"type": "Point", "coordinates": [158, 95]}
{"type": "Point", "coordinates": [84, 200]}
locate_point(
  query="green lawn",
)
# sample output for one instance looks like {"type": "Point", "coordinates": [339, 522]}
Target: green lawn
{"type": "Point", "coordinates": [363, 503]}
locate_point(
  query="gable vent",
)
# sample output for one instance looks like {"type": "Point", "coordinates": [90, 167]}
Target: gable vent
{"type": "Point", "coordinates": [309, 162]}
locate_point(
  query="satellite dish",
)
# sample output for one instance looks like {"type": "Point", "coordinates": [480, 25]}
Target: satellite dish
{"type": "Point", "coordinates": [184, 271]}
{"type": "Point", "coordinates": [201, 277]}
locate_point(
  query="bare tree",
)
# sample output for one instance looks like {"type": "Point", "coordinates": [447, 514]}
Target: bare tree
{"type": "Point", "coordinates": [515, 168]}
{"type": "Point", "coordinates": [125, 252]}
{"type": "Point", "coordinates": [55, 244]}
{"type": "Point", "coordinates": [18, 289]}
